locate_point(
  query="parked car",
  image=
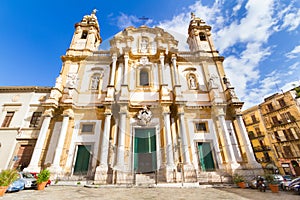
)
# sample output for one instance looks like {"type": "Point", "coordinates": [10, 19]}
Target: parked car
{"type": "Point", "coordinates": [29, 180]}
{"type": "Point", "coordinates": [284, 184]}
{"type": "Point", "coordinates": [17, 185]}
{"type": "Point", "coordinates": [295, 185]}
{"type": "Point", "coordinates": [35, 174]}
{"type": "Point", "coordinates": [278, 178]}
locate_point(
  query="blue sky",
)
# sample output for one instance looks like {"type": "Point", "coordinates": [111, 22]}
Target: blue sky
{"type": "Point", "coordinates": [259, 39]}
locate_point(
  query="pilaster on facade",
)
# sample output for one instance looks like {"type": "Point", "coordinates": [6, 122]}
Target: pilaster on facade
{"type": "Point", "coordinates": [34, 165]}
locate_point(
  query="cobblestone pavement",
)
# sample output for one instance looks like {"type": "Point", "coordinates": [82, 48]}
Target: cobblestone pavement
{"type": "Point", "coordinates": [122, 193]}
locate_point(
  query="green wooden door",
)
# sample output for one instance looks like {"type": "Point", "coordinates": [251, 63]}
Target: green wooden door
{"type": "Point", "coordinates": [205, 157]}
{"type": "Point", "coordinates": [144, 150]}
{"type": "Point", "coordinates": [82, 159]}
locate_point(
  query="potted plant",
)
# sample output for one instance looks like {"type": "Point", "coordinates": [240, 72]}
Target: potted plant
{"type": "Point", "coordinates": [273, 184]}
{"type": "Point", "coordinates": [239, 180]}
{"type": "Point", "coordinates": [42, 179]}
{"type": "Point", "coordinates": [7, 177]}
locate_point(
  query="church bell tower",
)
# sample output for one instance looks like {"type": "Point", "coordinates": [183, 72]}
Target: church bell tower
{"type": "Point", "coordinates": [199, 35]}
{"type": "Point", "coordinates": [86, 38]}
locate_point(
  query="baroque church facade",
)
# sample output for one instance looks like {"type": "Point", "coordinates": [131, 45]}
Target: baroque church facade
{"type": "Point", "coordinates": [142, 107]}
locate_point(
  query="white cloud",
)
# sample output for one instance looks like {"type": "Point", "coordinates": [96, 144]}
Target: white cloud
{"type": "Point", "coordinates": [237, 7]}
{"type": "Point", "coordinates": [291, 20]}
{"type": "Point", "coordinates": [254, 27]}
{"type": "Point", "coordinates": [178, 27]}
{"type": "Point", "coordinates": [294, 66]}
{"type": "Point", "coordinates": [124, 21]}
{"type": "Point", "coordinates": [290, 85]}
{"type": "Point", "coordinates": [294, 53]}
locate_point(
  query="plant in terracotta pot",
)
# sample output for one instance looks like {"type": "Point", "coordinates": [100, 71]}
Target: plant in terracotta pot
{"type": "Point", "coordinates": [239, 180]}
{"type": "Point", "coordinates": [273, 184]}
{"type": "Point", "coordinates": [42, 179]}
{"type": "Point", "coordinates": [7, 177]}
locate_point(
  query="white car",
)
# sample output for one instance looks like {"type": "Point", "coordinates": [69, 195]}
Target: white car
{"type": "Point", "coordinates": [287, 179]}
{"type": "Point", "coordinates": [29, 180]}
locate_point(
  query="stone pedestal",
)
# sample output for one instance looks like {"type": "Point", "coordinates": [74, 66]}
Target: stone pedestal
{"type": "Point", "coordinates": [110, 93]}
{"type": "Point", "coordinates": [178, 93]}
{"type": "Point", "coordinates": [189, 173]}
{"type": "Point", "coordinates": [124, 93]}
{"type": "Point", "coordinates": [55, 171]}
{"type": "Point", "coordinates": [123, 177]}
{"type": "Point", "coordinates": [170, 174]}
{"type": "Point", "coordinates": [101, 175]}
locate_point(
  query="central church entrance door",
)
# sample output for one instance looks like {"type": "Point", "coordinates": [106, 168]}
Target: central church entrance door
{"type": "Point", "coordinates": [144, 150]}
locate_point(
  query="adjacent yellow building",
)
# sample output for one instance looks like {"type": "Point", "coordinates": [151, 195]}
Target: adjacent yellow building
{"type": "Point", "coordinates": [274, 130]}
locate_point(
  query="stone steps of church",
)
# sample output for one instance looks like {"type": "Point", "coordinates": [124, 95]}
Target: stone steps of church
{"type": "Point", "coordinates": [144, 179]}
{"type": "Point", "coordinates": [212, 177]}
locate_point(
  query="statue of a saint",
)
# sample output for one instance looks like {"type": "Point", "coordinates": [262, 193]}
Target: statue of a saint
{"type": "Point", "coordinates": [192, 81]}
{"type": "Point", "coordinates": [95, 83]}
{"type": "Point", "coordinates": [144, 45]}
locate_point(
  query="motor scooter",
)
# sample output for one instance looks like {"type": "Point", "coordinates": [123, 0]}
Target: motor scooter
{"type": "Point", "coordinates": [261, 185]}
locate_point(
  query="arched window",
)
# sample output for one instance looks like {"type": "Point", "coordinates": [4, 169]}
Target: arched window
{"type": "Point", "coordinates": [95, 79]}
{"type": "Point", "coordinates": [202, 36]}
{"type": "Point", "coordinates": [144, 77]}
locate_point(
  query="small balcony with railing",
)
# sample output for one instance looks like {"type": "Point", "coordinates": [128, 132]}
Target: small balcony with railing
{"type": "Point", "coordinates": [262, 148]}
{"type": "Point", "coordinates": [258, 135]}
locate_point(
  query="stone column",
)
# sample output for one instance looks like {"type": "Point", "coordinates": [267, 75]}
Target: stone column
{"type": "Point", "coordinates": [125, 79]}
{"type": "Point", "coordinates": [246, 142]}
{"type": "Point", "coordinates": [121, 141]}
{"type": "Point", "coordinates": [35, 158]}
{"type": "Point", "coordinates": [55, 167]}
{"type": "Point", "coordinates": [174, 68]}
{"type": "Point", "coordinates": [169, 146]}
{"type": "Point", "coordinates": [227, 143]}
{"type": "Point", "coordinates": [113, 70]}
{"type": "Point", "coordinates": [105, 140]}
{"type": "Point", "coordinates": [184, 141]}
{"type": "Point", "coordinates": [162, 64]}
{"type": "Point", "coordinates": [101, 170]}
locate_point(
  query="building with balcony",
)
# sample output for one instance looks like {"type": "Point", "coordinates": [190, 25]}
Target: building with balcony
{"type": "Point", "coordinates": [259, 138]}
{"type": "Point", "coordinates": [277, 121]}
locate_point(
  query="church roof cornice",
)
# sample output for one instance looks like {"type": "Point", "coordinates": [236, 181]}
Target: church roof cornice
{"type": "Point", "coordinates": [41, 89]}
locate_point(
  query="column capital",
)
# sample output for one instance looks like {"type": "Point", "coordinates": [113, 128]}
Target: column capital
{"type": "Point", "coordinates": [126, 55]}
{"type": "Point", "coordinates": [114, 57]}
{"type": "Point", "coordinates": [68, 113]}
{"type": "Point", "coordinates": [48, 112]}
{"type": "Point", "coordinates": [174, 57]}
{"type": "Point", "coordinates": [107, 110]}
{"type": "Point", "coordinates": [166, 109]}
{"type": "Point", "coordinates": [162, 55]}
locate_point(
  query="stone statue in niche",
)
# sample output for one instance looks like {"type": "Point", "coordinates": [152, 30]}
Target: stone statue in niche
{"type": "Point", "coordinates": [95, 82]}
{"type": "Point", "coordinates": [144, 45]}
{"type": "Point", "coordinates": [192, 82]}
